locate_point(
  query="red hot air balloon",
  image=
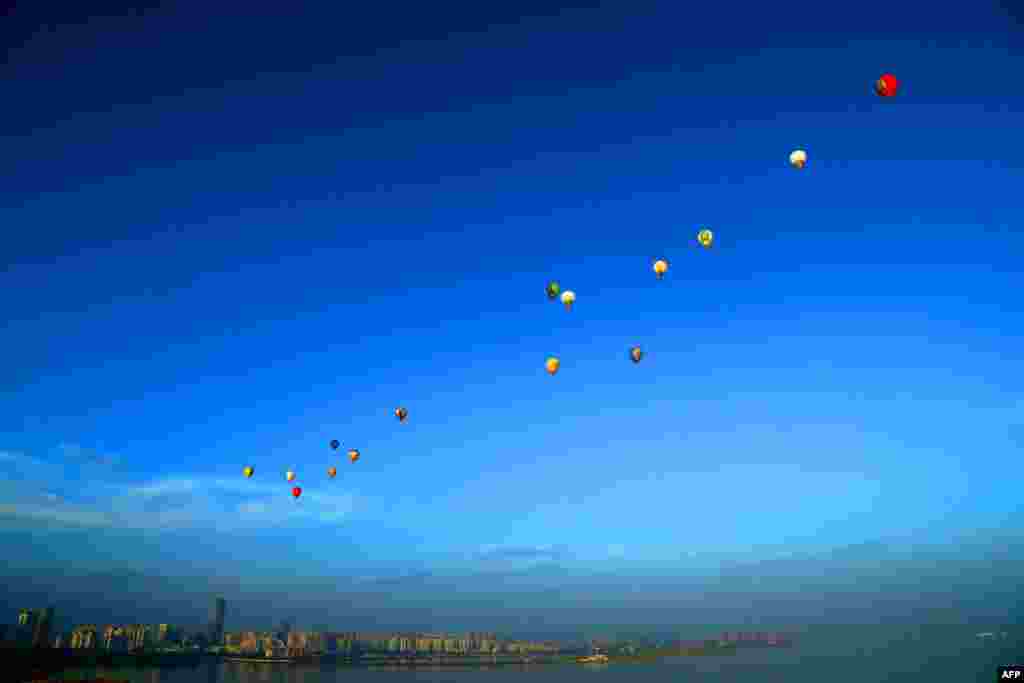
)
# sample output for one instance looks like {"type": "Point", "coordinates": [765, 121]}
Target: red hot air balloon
{"type": "Point", "coordinates": [296, 492]}
{"type": "Point", "coordinates": [401, 414]}
{"type": "Point", "coordinates": [887, 86]}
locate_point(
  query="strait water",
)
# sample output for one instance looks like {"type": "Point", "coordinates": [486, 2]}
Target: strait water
{"type": "Point", "coordinates": [946, 655]}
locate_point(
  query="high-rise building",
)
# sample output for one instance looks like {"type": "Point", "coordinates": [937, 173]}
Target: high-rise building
{"type": "Point", "coordinates": [34, 627]}
{"type": "Point", "coordinates": [216, 632]}
{"type": "Point", "coordinates": [84, 637]}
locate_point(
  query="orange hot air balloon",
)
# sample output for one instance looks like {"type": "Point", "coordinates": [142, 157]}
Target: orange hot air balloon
{"type": "Point", "coordinates": [552, 365]}
{"type": "Point", "coordinates": [887, 86]}
{"type": "Point", "coordinates": [353, 455]}
{"type": "Point", "coordinates": [401, 414]}
{"type": "Point", "coordinates": [296, 492]}
{"type": "Point", "coordinates": [660, 268]}
{"type": "Point", "coordinates": [331, 471]}
{"type": "Point", "coordinates": [289, 475]}
{"type": "Point", "coordinates": [247, 472]}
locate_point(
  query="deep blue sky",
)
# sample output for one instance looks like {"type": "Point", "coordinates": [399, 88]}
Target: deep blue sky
{"type": "Point", "coordinates": [230, 239]}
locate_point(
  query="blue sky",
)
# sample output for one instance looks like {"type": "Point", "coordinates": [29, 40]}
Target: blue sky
{"type": "Point", "coordinates": [234, 246]}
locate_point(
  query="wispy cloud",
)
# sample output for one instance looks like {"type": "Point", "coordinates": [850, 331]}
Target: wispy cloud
{"type": "Point", "coordinates": [79, 453]}
{"type": "Point", "coordinates": [522, 552]}
{"type": "Point", "coordinates": [36, 492]}
{"type": "Point", "coordinates": [616, 551]}
{"type": "Point", "coordinates": [16, 460]}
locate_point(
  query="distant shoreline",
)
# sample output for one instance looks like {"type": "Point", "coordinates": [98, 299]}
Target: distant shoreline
{"type": "Point", "coordinates": [30, 664]}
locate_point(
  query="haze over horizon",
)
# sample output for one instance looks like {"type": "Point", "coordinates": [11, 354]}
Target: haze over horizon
{"type": "Point", "coordinates": [228, 242]}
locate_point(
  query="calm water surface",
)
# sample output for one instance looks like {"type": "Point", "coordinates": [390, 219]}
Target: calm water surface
{"type": "Point", "coordinates": [956, 657]}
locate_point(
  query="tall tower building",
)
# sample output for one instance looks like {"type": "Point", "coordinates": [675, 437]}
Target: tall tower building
{"type": "Point", "coordinates": [216, 632]}
{"type": "Point", "coordinates": [42, 628]}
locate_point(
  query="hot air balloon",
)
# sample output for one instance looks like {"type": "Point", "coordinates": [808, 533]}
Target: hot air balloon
{"type": "Point", "coordinates": [798, 158]}
{"type": "Point", "coordinates": [705, 237]}
{"type": "Point", "coordinates": [401, 414]}
{"type": "Point", "coordinates": [296, 492]}
{"type": "Point", "coordinates": [553, 290]}
{"type": "Point", "coordinates": [552, 365]}
{"type": "Point", "coordinates": [887, 86]}
{"type": "Point", "coordinates": [289, 475]}
{"type": "Point", "coordinates": [568, 298]}
{"type": "Point", "coordinates": [247, 471]}
{"type": "Point", "coordinates": [636, 354]}
{"type": "Point", "coordinates": [331, 471]}
{"type": "Point", "coordinates": [335, 443]}
{"type": "Point", "coordinates": [353, 455]}
{"type": "Point", "coordinates": [660, 268]}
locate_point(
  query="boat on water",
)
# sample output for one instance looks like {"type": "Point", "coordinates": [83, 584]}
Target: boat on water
{"type": "Point", "coordinates": [594, 658]}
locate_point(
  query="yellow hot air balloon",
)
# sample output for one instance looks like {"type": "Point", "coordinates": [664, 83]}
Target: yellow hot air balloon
{"type": "Point", "coordinates": [568, 298]}
{"type": "Point", "coordinates": [660, 268]}
{"type": "Point", "coordinates": [247, 472]}
{"type": "Point", "coordinates": [552, 365]}
{"type": "Point", "coordinates": [331, 471]}
{"type": "Point", "coordinates": [353, 455]}
{"type": "Point", "coordinates": [705, 237]}
{"type": "Point", "coordinates": [636, 354]}
{"type": "Point", "coordinates": [289, 475]}
{"type": "Point", "coordinates": [798, 158]}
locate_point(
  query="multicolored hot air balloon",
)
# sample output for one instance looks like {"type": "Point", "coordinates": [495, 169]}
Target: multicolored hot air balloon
{"type": "Point", "coordinates": [289, 475]}
{"type": "Point", "coordinates": [660, 268]}
{"type": "Point", "coordinates": [552, 365]}
{"type": "Point", "coordinates": [335, 443]}
{"type": "Point", "coordinates": [568, 298]}
{"type": "Point", "coordinates": [247, 471]}
{"type": "Point", "coordinates": [296, 491]}
{"type": "Point", "coordinates": [636, 354]}
{"type": "Point", "coordinates": [705, 237]}
{"type": "Point", "coordinates": [331, 471]}
{"type": "Point", "coordinates": [353, 454]}
{"type": "Point", "coordinates": [887, 86]}
{"type": "Point", "coordinates": [401, 413]}
{"type": "Point", "coordinates": [798, 158]}
{"type": "Point", "coordinates": [553, 290]}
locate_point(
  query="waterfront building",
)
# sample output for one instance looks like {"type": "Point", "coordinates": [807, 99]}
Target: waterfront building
{"type": "Point", "coordinates": [115, 639]}
{"type": "Point", "coordinates": [25, 627]}
{"type": "Point", "coordinates": [34, 627]}
{"type": "Point", "coordinates": [216, 625]}
{"type": "Point", "coordinates": [84, 637]}
{"type": "Point", "coordinates": [296, 644]}
{"type": "Point", "coordinates": [275, 648]}
{"type": "Point", "coordinates": [140, 636]}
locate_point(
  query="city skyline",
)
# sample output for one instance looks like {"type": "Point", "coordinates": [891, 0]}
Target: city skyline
{"type": "Point", "coordinates": [237, 245]}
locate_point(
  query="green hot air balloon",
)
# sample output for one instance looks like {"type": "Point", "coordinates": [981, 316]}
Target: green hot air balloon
{"type": "Point", "coordinates": [553, 290]}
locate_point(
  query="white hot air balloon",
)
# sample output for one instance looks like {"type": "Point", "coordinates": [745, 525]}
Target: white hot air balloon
{"type": "Point", "coordinates": [798, 158]}
{"type": "Point", "coordinates": [568, 298]}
